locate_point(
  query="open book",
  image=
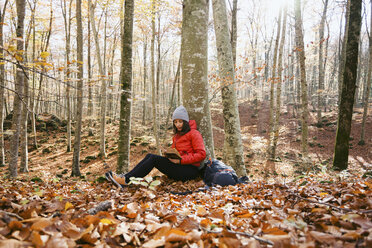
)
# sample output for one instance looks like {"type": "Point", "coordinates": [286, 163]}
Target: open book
{"type": "Point", "coordinates": [172, 153]}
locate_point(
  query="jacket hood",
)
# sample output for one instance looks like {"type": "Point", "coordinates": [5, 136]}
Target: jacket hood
{"type": "Point", "coordinates": [192, 124]}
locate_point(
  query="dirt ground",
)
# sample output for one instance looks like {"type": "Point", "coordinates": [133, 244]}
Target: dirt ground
{"type": "Point", "coordinates": [52, 160]}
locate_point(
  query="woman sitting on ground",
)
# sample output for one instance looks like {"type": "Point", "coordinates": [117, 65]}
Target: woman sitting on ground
{"type": "Point", "coordinates": [186, 140]}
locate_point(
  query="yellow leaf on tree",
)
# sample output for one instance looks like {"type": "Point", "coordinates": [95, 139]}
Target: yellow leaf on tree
{"type": "Point", "coordinates": [68, 205]}
{"type": "Point", "coordinates": [44, 55]}
{"type": "Point", "coordinates": [106, 221]}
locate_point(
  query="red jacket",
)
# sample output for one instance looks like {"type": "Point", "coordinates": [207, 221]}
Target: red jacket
{"type": "Point", "coordinates": [190, 146]}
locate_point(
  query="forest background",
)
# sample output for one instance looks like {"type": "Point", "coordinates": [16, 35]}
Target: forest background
{"type": "Point", "coordinates": [269, 84]}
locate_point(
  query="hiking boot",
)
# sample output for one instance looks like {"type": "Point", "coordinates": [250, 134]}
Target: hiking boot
{"type": "Point", "coordinates": [112, 177]}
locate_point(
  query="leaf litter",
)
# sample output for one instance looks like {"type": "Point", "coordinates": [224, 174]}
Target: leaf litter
{"type": "Point", "coordinates": [88, 214]}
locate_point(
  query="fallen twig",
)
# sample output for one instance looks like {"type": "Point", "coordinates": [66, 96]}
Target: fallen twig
{"type": "Point", "coordinates": [11, 214]}
{"type": "Point", "coordinates": [332, 206]}
{"type": "Point", "coordinates": [244, 234]}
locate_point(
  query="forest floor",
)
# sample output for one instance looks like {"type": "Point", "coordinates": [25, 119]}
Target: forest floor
{"type": "Point", "coordinates": [286, 204]}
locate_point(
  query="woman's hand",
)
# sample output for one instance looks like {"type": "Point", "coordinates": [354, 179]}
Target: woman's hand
{"type": "Point", "coordinates": [174, 160]}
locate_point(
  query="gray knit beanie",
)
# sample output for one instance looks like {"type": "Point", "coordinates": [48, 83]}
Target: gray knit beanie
{"type": "Point", "coordinates": [180, 113]}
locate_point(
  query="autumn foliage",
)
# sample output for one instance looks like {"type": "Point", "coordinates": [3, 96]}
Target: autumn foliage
{"type": "Point", "coordinates": [303, 213]}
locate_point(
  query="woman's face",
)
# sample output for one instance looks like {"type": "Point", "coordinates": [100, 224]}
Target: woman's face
{"type": "Point", "coordinates": [179, 124]}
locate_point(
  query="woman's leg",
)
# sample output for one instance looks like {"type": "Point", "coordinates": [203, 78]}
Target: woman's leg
{"type": "Point", "coordinates": [174, 171]}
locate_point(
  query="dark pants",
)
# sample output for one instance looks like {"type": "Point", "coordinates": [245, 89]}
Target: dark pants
{"type": "Point", "coordinates": [175, 171]}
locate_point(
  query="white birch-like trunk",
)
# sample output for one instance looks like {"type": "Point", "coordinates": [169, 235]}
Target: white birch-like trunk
{"type": "Point", "coordinates": [233, 153]}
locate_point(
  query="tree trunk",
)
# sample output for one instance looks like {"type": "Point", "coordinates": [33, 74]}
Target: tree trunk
{"type": "Point", "coordinates": [126, 95]}
{"type": "Point", "coordinates": [272, 81]}
{"type": "Point", "coordinates": [90, 94]}
{"type": "Point", "coordinates": [321, 64]}
{"type": "Point", "coordinates": [368, 86]}
{"type": "Point", "coordinates": [144, 79]}
{"type": "Point", "coordinates": [153, 82]}
{"type": "Point", "coordinates": [19, 82]}
{"type": "Point", "coordinates": [234, 34]}
{"type": "Point", "coordinates": [67, 22]}
{"type": "Point", "coordinates": [102, 147]}
{"type": "Point", "coordinates": [194, 61]}
{"type": "Point", "coordinates": [340, 160]}
{"type": "Point", "coordinates": [279, 85]}
{"type": "Point", "coordinates": [2, 82]}
{"type": "Point", "coordinates": [342, 60]}
{"type": "Point", "coordinates": [234, 147]}
{"type": "Point", "coordinates": [301, 57]}
{"type": "Point", "coordinates": [79, 103]}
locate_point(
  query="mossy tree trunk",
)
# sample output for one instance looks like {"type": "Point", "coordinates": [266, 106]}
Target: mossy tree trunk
{"type": "Point", "coordinates": [194, 61]}
{"type": "Point", "coordinates": [126, 95]}
{"type": "Point", "coordinates": [233, 153]}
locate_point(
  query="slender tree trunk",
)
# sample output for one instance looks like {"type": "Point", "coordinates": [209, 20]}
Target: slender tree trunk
{"type": "Point", "coordinates": [24, 118]}
{"type": "Point", "coordinates": [234, 147]}
{"type": "Point", "coordinates": [19, 82]}
{"type": "Point", "coordinates": [272, 81]}
{"type": "Point", "coordinates": [102, 73]}
{"type": "Point", "coordinates": [144, 80]}
{"type": "Point", "coordinates": [368, 86]}
{"type": "Point", "coordinates": [340, 160]}
{"type": "Point", "coordinates": [79, 105]}
{"type": "Point", "coordinates": [126, 95]}
{"type": "Point", "coordinates": [2, 82]}
{"type": "Point", "coordinates": [67, 21]}
{"type": "Point", "coordinates": [90, 94]}
{"type": "Point", "coordinates": [279, 86]}
{"type": "Point", "coordinates": [343, 51]}
{"type": "Point", "coordinates": [321, 64]}
{"type": "Point", "coordinates": [153, 81]}
{"type": "Point", "coordinates": [194, 61]}
{"type": "Point", "coordinates": [32, 100]}
{"type": "Point", "coordinates": [301, 57]}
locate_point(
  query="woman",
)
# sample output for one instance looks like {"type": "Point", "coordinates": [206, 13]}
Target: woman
{"type": "Point", "coordinates": [186, 140]}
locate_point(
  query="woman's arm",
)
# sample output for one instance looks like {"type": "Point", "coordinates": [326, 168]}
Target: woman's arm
{"type": "Point", "coordinates": [198, 153]}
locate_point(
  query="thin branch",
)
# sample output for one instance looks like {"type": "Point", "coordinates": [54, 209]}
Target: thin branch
{"type": "Point", "coordinates": [244, 234]}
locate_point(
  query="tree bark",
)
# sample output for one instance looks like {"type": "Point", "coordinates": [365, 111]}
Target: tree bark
{"type": "Point", "coordinates": [102, 147]}
{"type": "Point", "coordinates": [368, 86]}
{"type": "Point", "coordinates": [234, 147]}
{"type": "Point", "coordinates": [342, 59]}
{"type": "Point", "coordinates": [272, 81]}
{"type": "Point", "coordinates": [301, 57]}
{"type": "Point", "coordinates": [67, 22]}
{"type": "Point", "coordinates": [126, 95]}
{"type": "Point", "coordinates": [153, 81]}
{"type": "Point", "coordinates": [321, 64]}
{"type": "Point", "coordinates": [19, 82]}
{"type": "Point", "coordinates": [340, 160]}
{"type": "Point", "coordinates": [279, 85]}
{"type": "Point", "coordinates": [2, 82]}
{"type": "Point", "coordinates": [194, 61]}
{"type": "Point", "coordinates": [144, 79]}
{"type": "Point", "coordinates": [79, 103]}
